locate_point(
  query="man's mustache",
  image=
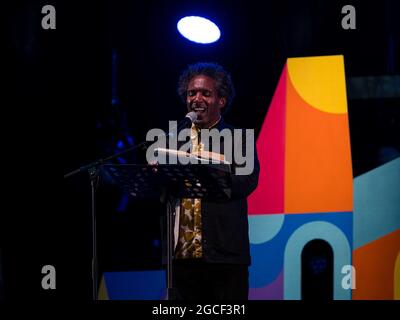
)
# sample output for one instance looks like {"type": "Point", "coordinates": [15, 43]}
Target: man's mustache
{"type": "Point", "coordinates": [198, 105]}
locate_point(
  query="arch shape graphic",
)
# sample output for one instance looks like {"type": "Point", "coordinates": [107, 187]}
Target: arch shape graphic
{"type": "Point", "coordinates": [292, 257]}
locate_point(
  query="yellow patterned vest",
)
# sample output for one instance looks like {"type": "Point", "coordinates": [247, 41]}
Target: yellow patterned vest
{"type": "Point", "coordinates": [189, 239]}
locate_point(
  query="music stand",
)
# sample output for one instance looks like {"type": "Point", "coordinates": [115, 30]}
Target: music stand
{"type": "Point", "coordinates": [172, 181]}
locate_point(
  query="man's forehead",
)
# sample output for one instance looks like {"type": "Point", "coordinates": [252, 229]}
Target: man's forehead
{"type": "Point", "coordinates": [202, 81]}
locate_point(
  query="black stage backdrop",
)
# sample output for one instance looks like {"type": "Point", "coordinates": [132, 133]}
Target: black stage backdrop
{"type": "Point", "coordinates": [108, 74]}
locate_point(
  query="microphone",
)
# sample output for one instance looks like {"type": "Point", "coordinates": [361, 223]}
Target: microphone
{"type": "Point", "coordinates": [187, 121]}
{"type": "Point", "coordinates": [171, 136]}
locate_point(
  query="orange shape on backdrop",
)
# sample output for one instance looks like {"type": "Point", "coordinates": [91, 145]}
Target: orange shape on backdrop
{"type": "Point", "coordinates": [318, 169]}
{"type": "Point", "coordinates": [375, 264]}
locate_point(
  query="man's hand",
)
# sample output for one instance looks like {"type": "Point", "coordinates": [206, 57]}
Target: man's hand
{"type": "Point", "coordinates": [154, 164]}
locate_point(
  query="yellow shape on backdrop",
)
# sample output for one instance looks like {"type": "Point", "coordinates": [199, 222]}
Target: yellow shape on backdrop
{"type": "Point", "coordinates": [397, 278]}
{"type": "Point", "coordinates": [320, 82]}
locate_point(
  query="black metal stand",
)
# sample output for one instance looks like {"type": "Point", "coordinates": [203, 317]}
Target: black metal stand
{"type": "Point", "coordinates": [171, 182]}
{"type": "Point", "coordinates": [171, 291]}
{"type": "Point", "coordinates": [94, 180]}
{"type": "Point", "coordinates": [93, 170]}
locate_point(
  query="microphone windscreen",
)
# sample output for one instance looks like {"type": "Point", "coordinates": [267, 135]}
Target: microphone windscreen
{"type": "Point", "coordinates": [192, 116]}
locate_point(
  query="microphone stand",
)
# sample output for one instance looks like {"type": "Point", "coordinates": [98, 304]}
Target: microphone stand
{"type": "Point", "coordinates": [93, 170]}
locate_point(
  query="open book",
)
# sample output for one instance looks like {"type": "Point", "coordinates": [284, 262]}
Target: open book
{"type": "Point", "coordinates": [195, 157]}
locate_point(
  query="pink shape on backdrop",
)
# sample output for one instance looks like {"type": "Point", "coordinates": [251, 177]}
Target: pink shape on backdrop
{"type": "Point", "coordinates": [272, 291]}
{"type": "Point", "coordinates": [269, 195]}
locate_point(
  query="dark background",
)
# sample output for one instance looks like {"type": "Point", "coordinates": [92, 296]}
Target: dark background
{"type": "Point", "coordinates": [66, 104]}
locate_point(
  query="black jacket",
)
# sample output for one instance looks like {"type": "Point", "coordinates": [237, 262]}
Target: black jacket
{"type": "Point", "coordinates": [225, 234]}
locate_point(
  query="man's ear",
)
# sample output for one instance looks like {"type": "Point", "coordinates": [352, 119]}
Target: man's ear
{"type": "Point", "coordinates": [222, 102]}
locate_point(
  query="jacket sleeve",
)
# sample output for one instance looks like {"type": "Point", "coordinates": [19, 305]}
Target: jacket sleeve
{"type": "Point", "coordinates": [244, 182]}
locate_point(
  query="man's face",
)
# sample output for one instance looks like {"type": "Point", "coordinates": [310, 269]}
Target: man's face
{"type": "Point", "coordinates": [202, 97]}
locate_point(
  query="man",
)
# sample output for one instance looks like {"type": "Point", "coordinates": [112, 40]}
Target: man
{"type": "Point", "coordinates": [211, 256]}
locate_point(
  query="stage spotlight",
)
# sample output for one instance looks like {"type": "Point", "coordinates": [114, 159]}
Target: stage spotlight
{"type": "Point", "coordinates": [198, 29]}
